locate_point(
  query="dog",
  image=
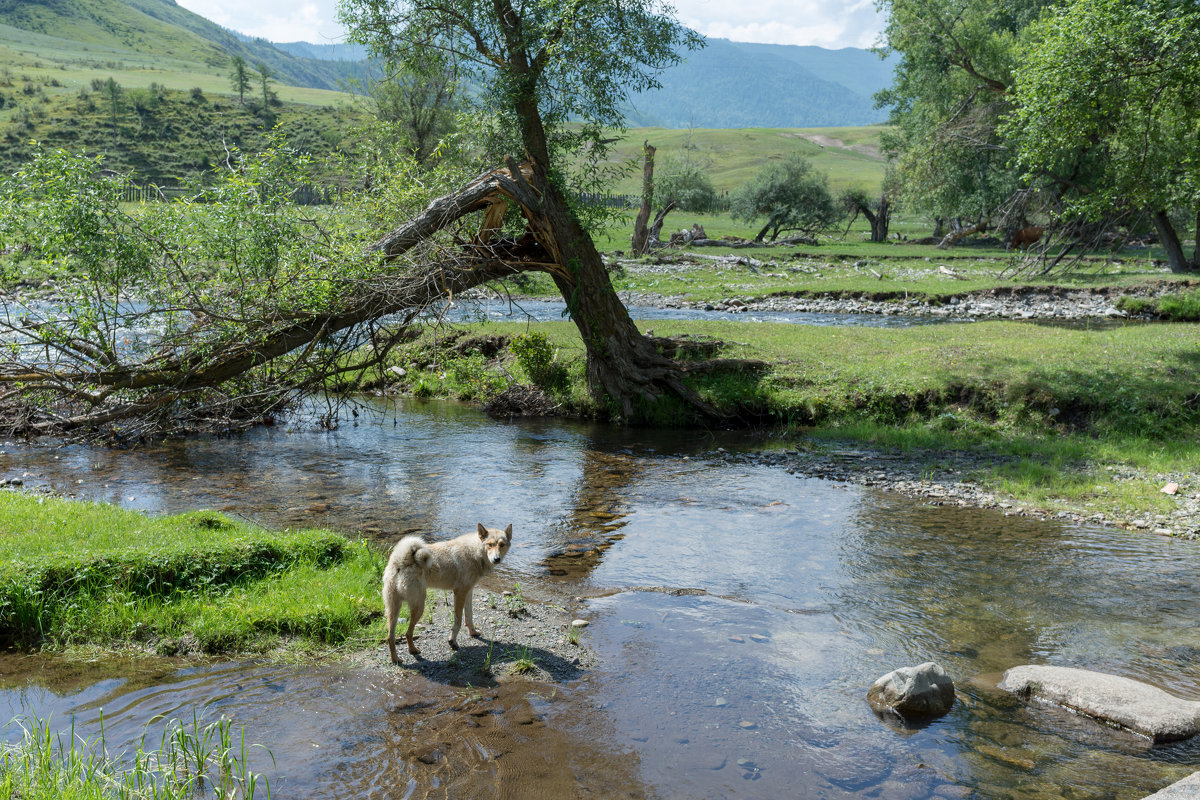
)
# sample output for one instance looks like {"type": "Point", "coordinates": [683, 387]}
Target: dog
{"type": "Point", "coordinates": [458, 564]}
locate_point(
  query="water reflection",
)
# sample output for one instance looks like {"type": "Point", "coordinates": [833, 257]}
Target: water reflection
{"type": "Point", "coordinates": [752, 685]}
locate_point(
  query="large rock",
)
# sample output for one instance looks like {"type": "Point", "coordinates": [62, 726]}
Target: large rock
{"type": "Point", "coordinates": [1186, 789]}
{"type": "Point", "coordinates": [1125, 702]}
{"type": "Point", "coordinates": [921, 691]}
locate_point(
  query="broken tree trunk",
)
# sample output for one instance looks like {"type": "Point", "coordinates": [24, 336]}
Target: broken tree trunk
{"type": "Point", "coordinates": [641, 233]}
{"type": "Point", "coordinates": [958, 233]}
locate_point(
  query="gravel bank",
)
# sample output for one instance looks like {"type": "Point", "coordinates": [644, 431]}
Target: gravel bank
{"type": "Point", "coordinates": [523, 637]}
{"type": "Point", "coordinates": [940, 477]}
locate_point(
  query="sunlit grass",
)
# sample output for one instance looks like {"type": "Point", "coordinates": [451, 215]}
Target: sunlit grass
{"type": "Point", "coordinates": [192, 759]}
{"type": "Point", "coordinates": [82, 574]}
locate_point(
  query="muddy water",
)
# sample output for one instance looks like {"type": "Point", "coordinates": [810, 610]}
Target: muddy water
{"type": "Point", "coordinates": [739, 613]}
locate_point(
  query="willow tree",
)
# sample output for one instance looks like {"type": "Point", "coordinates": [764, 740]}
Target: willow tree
{"type": "Point", "coordinates": [554, 73]}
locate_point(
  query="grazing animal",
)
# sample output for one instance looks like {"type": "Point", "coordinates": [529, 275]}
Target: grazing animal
{"type": "Point", "coordinates": [1025, 237]}
{"type": "Point", "coordinates": [457, 565]}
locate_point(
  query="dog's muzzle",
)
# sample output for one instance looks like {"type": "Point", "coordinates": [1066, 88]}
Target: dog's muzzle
{"type": "Point", "coordinates": [496, 559]}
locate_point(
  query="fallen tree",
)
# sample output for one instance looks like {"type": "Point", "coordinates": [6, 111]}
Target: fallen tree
{"type": "Point", "coordinates": [191, 358]}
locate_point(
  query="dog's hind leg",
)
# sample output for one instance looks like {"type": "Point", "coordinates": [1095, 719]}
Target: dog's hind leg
{"type": "Point", "coordinates": [471, 629]}
{"type": "Point", "coordinates": [460, 598]}
{"type": "Point", "coordinates": [416, 607]}
{"type": "Point", "coordinates": [391, 608]}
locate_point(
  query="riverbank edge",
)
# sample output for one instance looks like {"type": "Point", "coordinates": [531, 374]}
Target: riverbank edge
{"type": "Point", "coordinates": [70, 562]}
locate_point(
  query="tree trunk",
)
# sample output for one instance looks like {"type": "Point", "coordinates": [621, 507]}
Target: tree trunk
{"type": "Point", "coordinates": [879, 222]}
{"type": "Point", "coordinates": [1170, 241]}
{"type": "Point", "coordinates": [641, 234]}
{"type": "Point", "coordinates": [1196, 249]}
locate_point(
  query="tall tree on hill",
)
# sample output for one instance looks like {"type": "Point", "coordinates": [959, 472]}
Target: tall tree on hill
{"type": "Point", "coordinates": [421, 103]}
{"type": "Point", "coordinates": [114, 96]}
{"type": "Point", "coordinates": [240, 78]}
{"type": "Point", "coordinates": [264, 82]}
{"type": "Point", "coordinates": [554, 75]}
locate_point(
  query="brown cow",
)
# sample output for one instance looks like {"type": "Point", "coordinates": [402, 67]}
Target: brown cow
{"type": "Point", "coordinates": [1022, 239]}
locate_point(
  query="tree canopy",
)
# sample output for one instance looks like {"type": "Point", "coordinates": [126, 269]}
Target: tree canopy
{"type": "Point", "coordinates": [791, 195]}
{"type": "Point", "coordinates": [1106, 106]}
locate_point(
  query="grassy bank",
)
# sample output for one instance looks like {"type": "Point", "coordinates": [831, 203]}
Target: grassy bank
{"type": "Point", "coordinates": [82, 574]}
{"type": "Point", "coordinates": [1064, 404]}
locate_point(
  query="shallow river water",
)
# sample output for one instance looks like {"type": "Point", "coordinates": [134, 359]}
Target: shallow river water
{"type": "Point", "coordinates": [750, 684]}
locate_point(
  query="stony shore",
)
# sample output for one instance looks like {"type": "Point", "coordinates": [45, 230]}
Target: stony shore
{"type": "Point", "coordinates": [1017, 302]}
{"type": "Point", "coordinates": [941, 478]}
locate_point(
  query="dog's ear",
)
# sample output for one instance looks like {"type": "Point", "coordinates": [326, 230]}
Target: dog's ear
{"type": "Point", "coordinates": [482, 530]}
{"type": "Point", "coordinates": [508, 531]}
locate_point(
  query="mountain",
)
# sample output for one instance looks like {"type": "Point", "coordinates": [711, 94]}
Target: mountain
{"type": "Point", "coordinates": [739, 85]}
{"type": "Point", "coordinates": [145, 28]}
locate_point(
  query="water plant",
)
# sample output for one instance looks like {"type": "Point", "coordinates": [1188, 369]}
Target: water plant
{"type": "Point", "coordinates": [523, 662]}
{"type": "Point", "coordinates": [193, 759]}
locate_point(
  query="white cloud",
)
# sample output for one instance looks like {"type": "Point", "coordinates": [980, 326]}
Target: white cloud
{"type": "Point", "coordinates": [851, 23]}
{"type": "Point", "coordinates": [274, 20]}
{"type": "Point", "coordinates": [840, 23]}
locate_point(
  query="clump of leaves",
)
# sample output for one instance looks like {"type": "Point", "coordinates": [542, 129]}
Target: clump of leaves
{"type": "Point", "coordinates": [540, 361]}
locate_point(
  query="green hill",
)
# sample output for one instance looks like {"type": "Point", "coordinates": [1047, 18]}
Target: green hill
{"type": "Point", "coordinates": [849, 156]}
{"type": "Point", "coordinates": [146, 35]}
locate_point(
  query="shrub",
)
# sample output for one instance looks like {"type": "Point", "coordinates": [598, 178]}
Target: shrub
{"type": "Point", "coordinates": [539, 360]}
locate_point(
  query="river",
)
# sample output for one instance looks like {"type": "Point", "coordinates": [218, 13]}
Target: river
{"type": "Point", "coordinates": [739, 614]}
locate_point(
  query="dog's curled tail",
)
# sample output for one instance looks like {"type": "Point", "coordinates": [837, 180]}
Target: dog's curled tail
{"type": "Point", "coordinates": [413, 552]}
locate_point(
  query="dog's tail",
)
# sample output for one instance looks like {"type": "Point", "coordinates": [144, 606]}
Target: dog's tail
{"type": "Point", "coordinates": [412, 552]}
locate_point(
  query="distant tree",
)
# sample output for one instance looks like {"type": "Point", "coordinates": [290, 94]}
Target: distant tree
{"type": "Point", "coordinates": [1106, 106]}
{"type": "Point", "coordinates": [877, 213]}
{"type": "Point", "coordinates": [114, 97]}
{"type": "Point", "coordinates": [420, 102]}
{"type": "Point", "coordinates": [240, 78]}
{"type": "Point", "coordinates": [687, 183]}
{"type": "Point", "coordinates": [265, 81]}
{"type": "Point", "coordinates": [792, 196]}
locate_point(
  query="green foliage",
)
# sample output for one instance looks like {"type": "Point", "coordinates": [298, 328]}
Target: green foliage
{"type": "Point", "coordinates": [687, 183]}
{"type": "Point", "coordinates": [538, 358]}
{"type": "Point", "coordinates": [1106, 99]}
{"type": "Point", "coordinates": [472, 379]}
{"type": "Point", "coordinates": [239, 77]}
{"type": "Point", "coordinates": [552, 77]}
{"type": "Point", "coordinates": [956, 64]}
{"type": "Point", "coordinates": [791, 195]}
{"type": "Point", "coordinates": [190, 761]}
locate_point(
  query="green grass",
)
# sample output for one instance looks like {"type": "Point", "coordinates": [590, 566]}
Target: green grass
{"type": "Point", "coordinates": [84, 574]}
{"type": "Point", "coordinates": [191, 760]}
{"type": "Point", "coordinates": [732, 156]}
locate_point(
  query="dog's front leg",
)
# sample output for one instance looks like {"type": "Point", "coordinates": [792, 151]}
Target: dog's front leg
{"type": "Point", "coordinates": [460, 599]}
{"type": "Point", "coordinates": [471, 629]}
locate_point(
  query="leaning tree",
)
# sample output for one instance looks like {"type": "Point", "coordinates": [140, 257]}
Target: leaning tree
{"type": "Point", "coordinates": [556, 75]}
{"type": "Point", "coordinates": [203, 313]}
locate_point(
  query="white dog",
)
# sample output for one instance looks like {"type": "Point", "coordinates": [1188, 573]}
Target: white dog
{"type": "Point", "coordinates": [457, 565]}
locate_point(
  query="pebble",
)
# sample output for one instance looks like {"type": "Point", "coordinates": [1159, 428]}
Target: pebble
{"type": "Point", "coordinates": [579, 623]}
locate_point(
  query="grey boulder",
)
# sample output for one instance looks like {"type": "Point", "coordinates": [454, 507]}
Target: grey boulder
{"type": "Point", "coordinates": [922, 691]}
{"type": "Point", "coordinates": [1130, 704]}
{"type": "Point", "coordinates": [1186, 789]}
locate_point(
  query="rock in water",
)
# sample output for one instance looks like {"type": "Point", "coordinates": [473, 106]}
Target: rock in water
{"type": "Point", "coordinates": [1186, 789]}
{"type": "Point", "coordinates": [912, 692]}
{"type": "Point", "coordinates": [1130, 704]}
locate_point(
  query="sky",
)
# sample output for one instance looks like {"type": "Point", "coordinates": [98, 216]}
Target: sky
{"type": "Point", "coordinates": [828, 23]}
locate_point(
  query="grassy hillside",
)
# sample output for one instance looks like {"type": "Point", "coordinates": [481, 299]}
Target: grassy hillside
{"type": "Point", "coordinates": [160, 135]}
{"type": "Point", "coordinates": [849, 156]}
{"type": "Point", "coordinates": [154, 37]}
